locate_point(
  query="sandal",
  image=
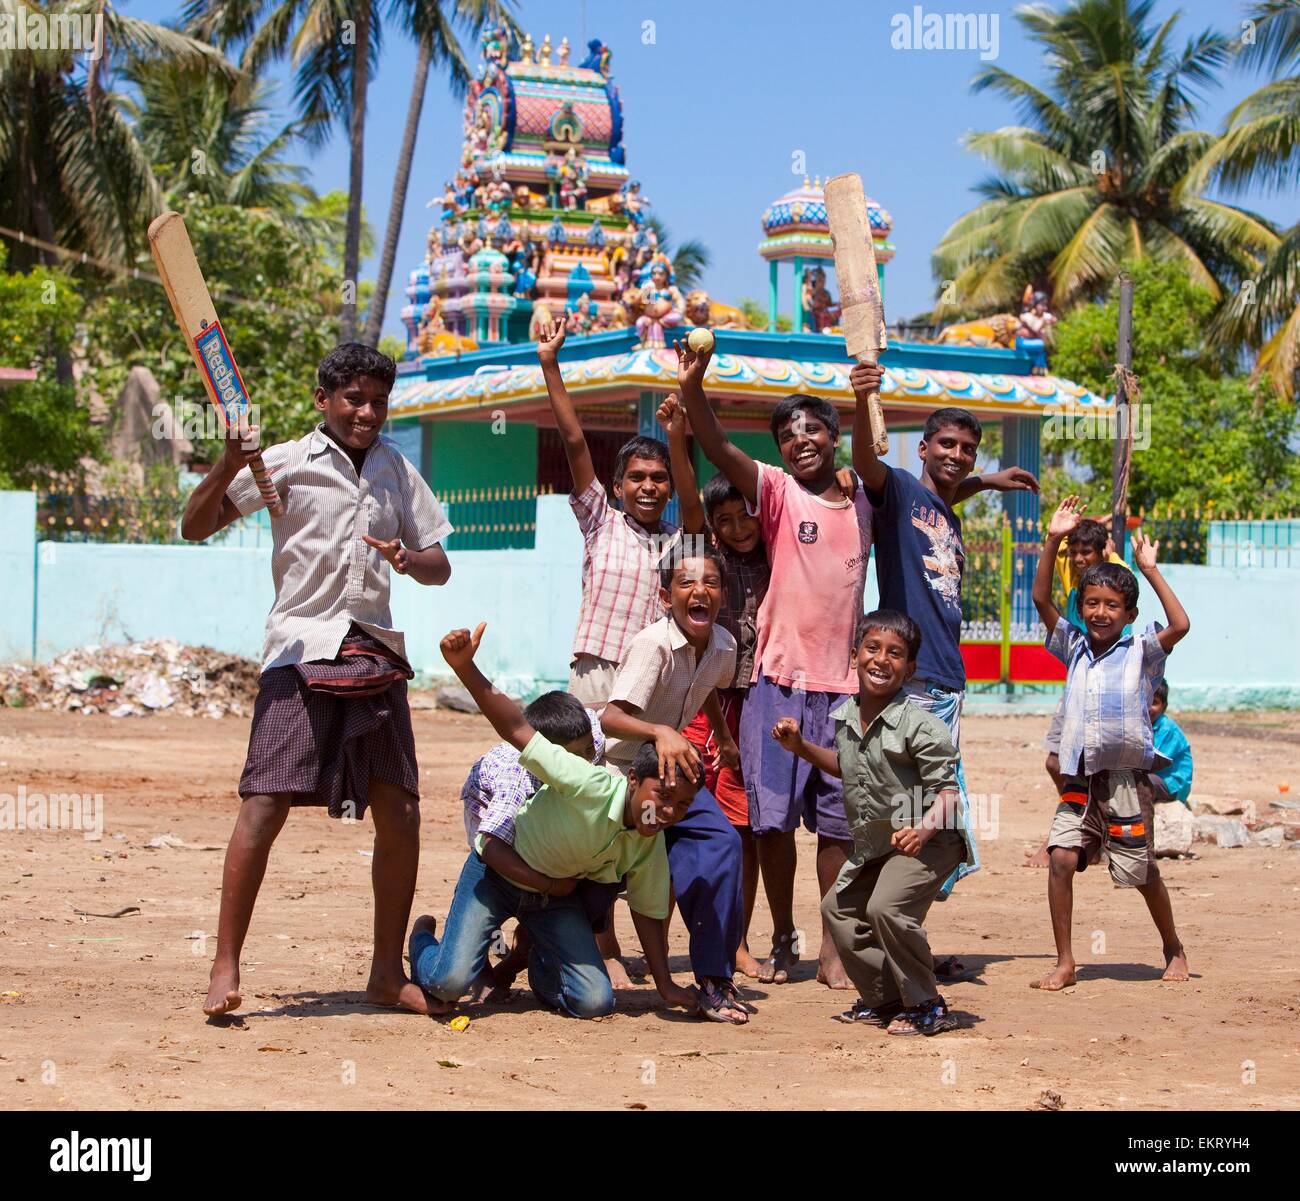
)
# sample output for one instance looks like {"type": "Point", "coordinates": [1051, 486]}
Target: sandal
{"type": "Point", "coordinates": [775, 969]}
{"type": "Point", "coordinates": [735, 997]}
{"type": "Point", "coordinates": [717, 1002]}
{"type": "Point", "coordinates": [929, 1018]}
{"type": "Point", "coordinates": [873, 1015]}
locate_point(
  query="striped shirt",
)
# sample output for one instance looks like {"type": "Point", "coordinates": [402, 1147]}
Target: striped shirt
{"type": "Point", "coordinates": [497, 786]}
{"type": "Point", "coordinates": [745, 579]}
{"type": "Point", "coordinates": [325, 576]}
{"type": "Point", "coordinates": [620, 575]}
{"type": "Point", "coordinates": [1105, 712]}
{"type": "Point", "coordinates": [662, 677]}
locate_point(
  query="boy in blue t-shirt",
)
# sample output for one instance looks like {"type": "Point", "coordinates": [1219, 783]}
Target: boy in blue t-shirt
{"type": "Point", "coordinates": [1176, 779]}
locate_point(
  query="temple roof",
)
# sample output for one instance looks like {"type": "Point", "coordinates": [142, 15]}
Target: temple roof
{"type": "Point", "coordinates": [736, 375]}
{"type": "Point", "coordinates": [796, 225]}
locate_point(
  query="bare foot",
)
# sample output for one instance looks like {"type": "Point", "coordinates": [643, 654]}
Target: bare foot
{"type": "Point", "coordinates": [1039, 858]}
{"type": "Point", "coordinates": [746, 964]}
{"type": "Point", "coordinates": [618, 976]}
{"type": "Point", "coordinates": [830, 972]}
{"type": "Point", "coordinates": [1176, 969]}
{"type": "Point", "coordinates": [1062, 976]}
{"type": "Point", "coordinates": [776, 968]}
{"type": "Point", "coordinates": [223, 991]}
{"type": "Point", "coordinates": [404, 994]}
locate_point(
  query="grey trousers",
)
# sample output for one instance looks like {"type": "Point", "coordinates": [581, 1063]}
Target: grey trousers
{"type": "Point", "coordinates": [877, 921]}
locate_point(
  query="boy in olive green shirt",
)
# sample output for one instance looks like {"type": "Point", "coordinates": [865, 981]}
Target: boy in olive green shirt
{"type": "Point", "coordinates": [900, 796]}
{"type": "Point", "coordinates": [586, 821]}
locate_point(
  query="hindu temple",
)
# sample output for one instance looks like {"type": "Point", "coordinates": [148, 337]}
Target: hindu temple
{"type": "Point", "coordinates": [542, 219]}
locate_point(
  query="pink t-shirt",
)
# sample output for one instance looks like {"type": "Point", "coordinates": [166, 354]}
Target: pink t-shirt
{"type": "Point", "coordinates": [818, 550]}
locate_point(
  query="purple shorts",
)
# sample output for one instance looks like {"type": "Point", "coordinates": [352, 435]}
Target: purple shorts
{"type": "Point", "coordinates": [782, 788]}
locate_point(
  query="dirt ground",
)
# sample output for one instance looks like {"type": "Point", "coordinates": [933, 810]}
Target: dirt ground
{"type": "Point", "coordinates": [104, 1012]}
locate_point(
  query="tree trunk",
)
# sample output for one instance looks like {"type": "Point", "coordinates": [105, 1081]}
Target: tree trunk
{"type": "Point", "coordinates": [388, 257]}
{"type": "Point", "coordinates": [357, 139]}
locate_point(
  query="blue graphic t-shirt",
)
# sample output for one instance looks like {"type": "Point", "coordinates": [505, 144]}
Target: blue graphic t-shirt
{"type": "Point", "coordinates": [919, 565]}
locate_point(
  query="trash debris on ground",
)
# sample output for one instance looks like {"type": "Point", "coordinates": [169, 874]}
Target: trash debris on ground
{"type": "Point", "coordinates": [135, 679]}
{"type": "Point", "coordinates": [163, 841]}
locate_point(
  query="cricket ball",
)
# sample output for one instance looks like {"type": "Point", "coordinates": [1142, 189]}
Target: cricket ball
{"type": "Point", "coordinates": [700, 340]}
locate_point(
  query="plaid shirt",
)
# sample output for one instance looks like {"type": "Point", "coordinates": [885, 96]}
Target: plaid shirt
{"type": "Point", "coordinates": [745, 578]}
{"type": "Point", "coordinates": [1105, 712]}
{"type": "Point", "coordinates": [662, 677]}
{"type": "Point", "coordinates": [497, 786]}
{"type": "Point", "coordinates": [620, 575]}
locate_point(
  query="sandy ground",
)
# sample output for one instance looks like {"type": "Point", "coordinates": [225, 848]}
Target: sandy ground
{"type": "Point", "coordinates": [103, 1012]}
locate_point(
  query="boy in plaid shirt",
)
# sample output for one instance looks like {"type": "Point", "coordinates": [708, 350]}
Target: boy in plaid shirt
{"type": "Point", "coordinates": [1107, 749]}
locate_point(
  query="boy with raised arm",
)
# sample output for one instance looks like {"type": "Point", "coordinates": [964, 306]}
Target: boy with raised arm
{"type": "Point", "coordinates": [1107, 747]}
{"type": "Point", "coordinates": [621, 553]}
{"type": "Point", "coordinates": [585, 822]}
{"type": "Point", "coordinates": [817, 544]}
{"type": "Point", "coordinates": [919, 554]}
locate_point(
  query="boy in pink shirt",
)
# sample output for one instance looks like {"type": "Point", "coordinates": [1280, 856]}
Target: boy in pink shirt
{"type": "Point", "coordinates": [818, 544]}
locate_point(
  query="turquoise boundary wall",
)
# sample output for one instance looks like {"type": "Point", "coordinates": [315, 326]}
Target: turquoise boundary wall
{"type": "Point", "coordinates": [1242, 651]}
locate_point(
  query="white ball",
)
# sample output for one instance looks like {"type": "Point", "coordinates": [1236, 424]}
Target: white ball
{"type": "Point", "coordinates": [700, 340]}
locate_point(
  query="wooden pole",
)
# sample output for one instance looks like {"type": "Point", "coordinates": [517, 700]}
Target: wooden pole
{"type": "Point", "coordinates": [1119, 460]}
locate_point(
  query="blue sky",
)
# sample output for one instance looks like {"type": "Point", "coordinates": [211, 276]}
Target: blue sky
{"type": "Point", "coordinates": [717, 99]}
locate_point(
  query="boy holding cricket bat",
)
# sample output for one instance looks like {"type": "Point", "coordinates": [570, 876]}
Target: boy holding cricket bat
{"type": "Point", "coordinates": [331, 726]}
{"type": "Point", "coordinates": [920, 558]}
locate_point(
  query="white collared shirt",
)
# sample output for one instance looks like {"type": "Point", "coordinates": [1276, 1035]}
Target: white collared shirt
{"type": "Point", "coordinates": [326, 577]}
{"type": "Point", "coordinates": [661, 676]}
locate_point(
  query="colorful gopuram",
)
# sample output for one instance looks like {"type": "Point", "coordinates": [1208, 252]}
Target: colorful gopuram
{"type": "Point", "coordinates": [542, 219]}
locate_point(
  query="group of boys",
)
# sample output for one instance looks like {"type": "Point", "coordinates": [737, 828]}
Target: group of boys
{"type": "Point", "coordinates": [724, 689]}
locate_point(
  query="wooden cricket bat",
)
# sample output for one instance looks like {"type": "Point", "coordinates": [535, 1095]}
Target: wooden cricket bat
{"type": "Point", "coordinates": [182, 278]}
{"type": "Point", "coordinates": [862, 309]}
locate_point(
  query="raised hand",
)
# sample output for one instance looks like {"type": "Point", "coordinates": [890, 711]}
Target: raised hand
{"type": "Point", "coordinates": [672, 416]}
{"type": "Point", "coordinates": [865, 379]}
{"type": "Point", "coordinates": [847, 481]}
{"type": "Point", "coordinates": [459, 646]}
{"type": "Point", "coordinates": [1068, 514]}
{"type": "Point", "coordinates": [1144, 551]}
{"type": "Point", "coordinates": [1012, 479]}
{"type": "Point", "coordinates": [550, 341]}
{"type": "Point", "coordinates": [392, 550]}
{"type": "Point", "coordinates": [691, 365]}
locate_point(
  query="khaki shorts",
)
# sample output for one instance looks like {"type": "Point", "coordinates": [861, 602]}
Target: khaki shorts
{"type": "Point", "coordinates": [1109, 812]}
{"type": "Point", "coordinates": [591, 679]}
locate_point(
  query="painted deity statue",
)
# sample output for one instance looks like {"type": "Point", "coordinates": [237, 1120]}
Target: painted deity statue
{"type": "Point", "coordinates": [820, 309]}
{"type": "Point", "coordinates": [573, 181]}
{"type": "Point", "coordinates": [633, 203]}
{"type": "Point", "coordinates": [431, 325]}
{"type": "Point", "coordinates": [662, 304]}
{"type": "Point", "coordinates": [580, 318]}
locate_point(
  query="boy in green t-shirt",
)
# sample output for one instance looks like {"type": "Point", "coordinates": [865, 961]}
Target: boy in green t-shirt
{"type": "Point", "coordinates": [586, 821]}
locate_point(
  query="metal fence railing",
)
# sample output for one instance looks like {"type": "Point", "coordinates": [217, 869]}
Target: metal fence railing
{"type": "Point", "coordinates": [77, 517]}
{"type": "Point", "coordinates": [501, 518]}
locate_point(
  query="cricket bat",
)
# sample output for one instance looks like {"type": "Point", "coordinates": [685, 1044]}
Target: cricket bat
{"type": "Point", "coordinates": [862, 310]}
{"type": "Point", "coordinates": [200, 326]}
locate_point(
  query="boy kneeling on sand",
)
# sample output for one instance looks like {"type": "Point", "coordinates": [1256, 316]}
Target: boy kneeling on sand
{"type": "Point", "coordinates": [899, 769]}
{"type": "Point", "coordinates": [584, 822]}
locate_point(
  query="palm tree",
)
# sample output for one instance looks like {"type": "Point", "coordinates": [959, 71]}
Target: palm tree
{"type": "Point", "coordinates": [1261, 146]}
{"type": "Point", "coordinates": [430, 22]}
{"type": "Point", "coordinates": [1091, 179]}
{"type": "Point", "coordinates": [213, 136]}
{"type": "Point", "coordinates": [73, 171]}
{"type": "Point", "coordinates": [333, 45]}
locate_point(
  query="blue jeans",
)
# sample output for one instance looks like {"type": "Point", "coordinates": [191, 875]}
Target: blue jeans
{"type": "Point", "coordinates": [946, 705]}
{"type": "Point", "coordinates": [565, 969]}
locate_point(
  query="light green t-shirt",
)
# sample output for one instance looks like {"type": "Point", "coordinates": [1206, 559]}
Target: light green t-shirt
{"type": "Point", "coordinates": [573, 826]}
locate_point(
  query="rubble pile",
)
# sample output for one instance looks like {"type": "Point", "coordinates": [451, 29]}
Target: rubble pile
{"type": "Point", "coordinates": [135, 679]}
